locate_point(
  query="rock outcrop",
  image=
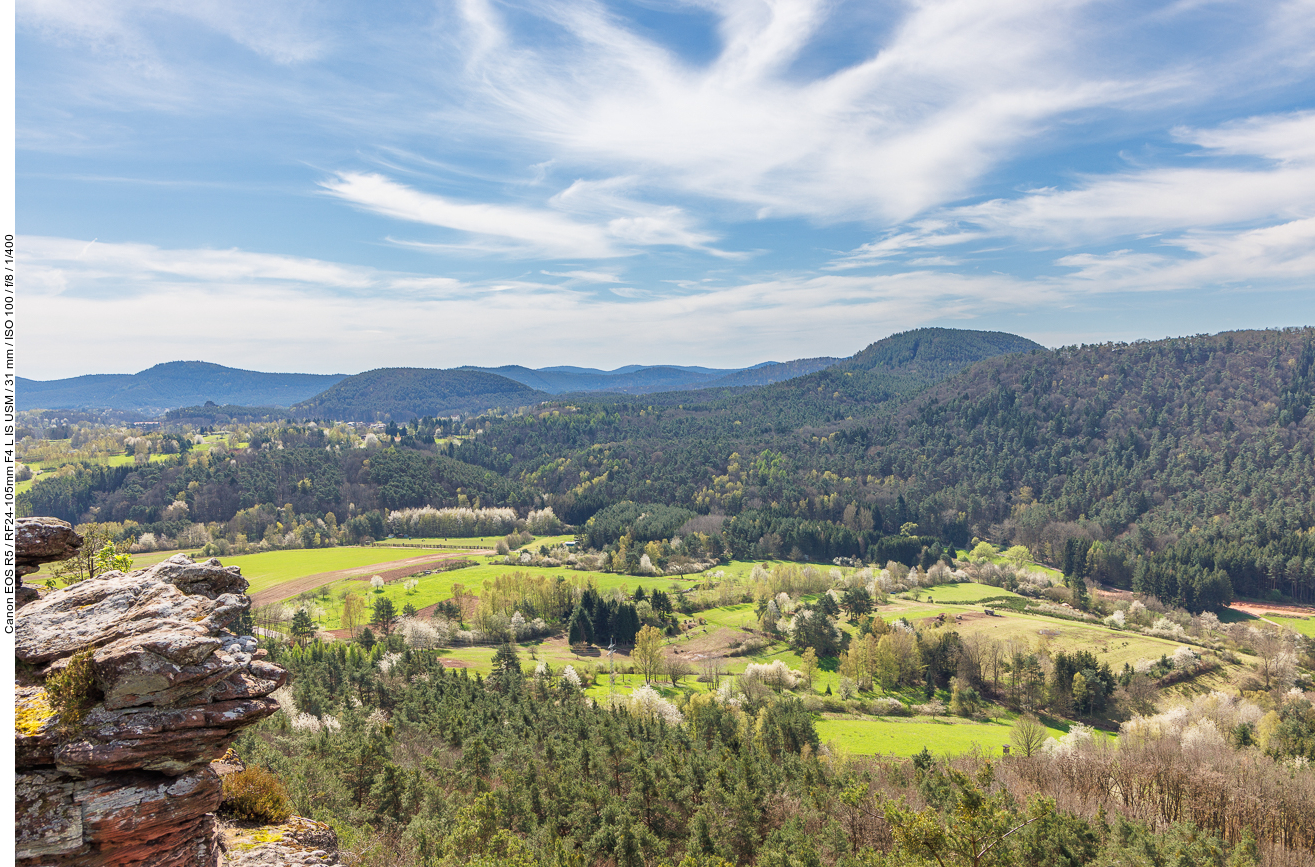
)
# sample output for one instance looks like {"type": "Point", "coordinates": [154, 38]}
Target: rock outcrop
{"type": "Point", "coordinates": [126, 779]}
{"type": "Point", "coordinates": [297, 841]}
{"type": "Point", "coordinates": [44, 540]}
{"type": "Point", "coordinates": [37, 541]}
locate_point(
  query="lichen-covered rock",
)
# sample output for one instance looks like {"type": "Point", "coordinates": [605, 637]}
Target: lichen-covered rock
{"type": "Point", "coordinates": [296, 841]}
{"type": "Point", "coordinates": [43, 540]}
{"type": "Point", "coordinates": [130, 782]}
{"type": "Point", "coordinates": [112, 606]}
{"type": "Point", "coordinates": [210, 579]}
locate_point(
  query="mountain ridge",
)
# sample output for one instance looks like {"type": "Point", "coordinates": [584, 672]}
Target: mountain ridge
{"type": "Point", "coordinates": [921, 355]}
{"type": "Point", "coordinates": [172, 384]}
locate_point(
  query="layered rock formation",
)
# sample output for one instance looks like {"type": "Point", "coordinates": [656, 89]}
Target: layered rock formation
{"type": "Point", "coordinates": [123, 778]}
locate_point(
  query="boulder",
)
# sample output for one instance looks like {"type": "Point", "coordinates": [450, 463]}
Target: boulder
{"type": "Point", "coordinates": [43, 540]}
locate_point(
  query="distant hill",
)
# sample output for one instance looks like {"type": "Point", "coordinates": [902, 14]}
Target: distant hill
{"type": "Point", "coordinates": [772, 371]}
{"type": "Point", "coordinates": [404, 393]}
{"type": "Point", "coordinates": [640, 379]}
{"type": "Point", "coordinates": [935, 353]}
{"type": "Point", "coordinates": [636, 380]}
{"type": "Point", "coordinates": [172, 385]}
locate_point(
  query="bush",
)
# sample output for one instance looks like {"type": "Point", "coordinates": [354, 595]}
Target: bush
{"type": "Point", "coordinates": [833, 705]}
{"type": "Point", "coordinates": [888, 706]}
{"type": "Point", "coordinates": [256, 795]}
{"type": "Point", "coordinates": [72, 690]}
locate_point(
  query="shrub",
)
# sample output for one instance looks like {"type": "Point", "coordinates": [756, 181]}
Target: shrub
{"type": "Point", "coordinates": [888, 706]}
{"type": "Point", "coordinates": [256, 795]}
{"type": "Point", "coordinates": [833, 705]}
{"type": "Point", "coordinates": [72, 690]}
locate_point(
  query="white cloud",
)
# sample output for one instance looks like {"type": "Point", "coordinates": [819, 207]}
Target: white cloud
{"type": "Point", "coordinates": [533, 232]}
{"type": "Point", "coordinates": [1280, 255]}
{"type": "Point", "coordinates": [585, 276]}
{"type": "Point", "coordinates": [1173, 198]}
{"type": "Point", "coordinates": [526, 232]}
{"type": "Point", "coordinates": [283, 31]}
{"type": "Point", "coordinates": [954, 88]}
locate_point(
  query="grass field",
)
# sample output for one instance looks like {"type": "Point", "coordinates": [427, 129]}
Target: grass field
{"type": "Point", "coordinates": [846, 732]}
{"type": "Point", "coordinates": [435, 588]}
{"type": "Point", "coordinates": [272, 568]}
{"type": "Point", "coordinates": [965, 593]}
{"type": "Point", "coordinates": [1304, 625]}
{"type": "Point", "coordinates": [906, 737]}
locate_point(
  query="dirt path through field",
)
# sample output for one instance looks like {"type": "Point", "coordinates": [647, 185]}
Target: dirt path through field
{"type": "Point", "coordinates": [391, 571]}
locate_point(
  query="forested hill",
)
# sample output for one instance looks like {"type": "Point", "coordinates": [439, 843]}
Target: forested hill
{"type": "Point", "coordinates": [677, 447]}
{"type": "Point", "coordinates": [935, 353]}
{"type": "Point", "coordinates": [175, 384]}
{"type": "Point", "coordinates": [1198, 449]}
{"type": "Point", "coordinates": [405, 393]}
{"type": "Point", "coordinates": [1177, 459]}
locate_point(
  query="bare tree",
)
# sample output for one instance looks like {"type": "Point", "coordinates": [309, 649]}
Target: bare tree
{"type": "Point", "coordinates": [677, 668]}
{"type": "Point", "coordinates": [712, 671]}
{"type": "Point", "coordinates": [353, 612]}
{"type": "Point", "coordinates": [1028, 735]}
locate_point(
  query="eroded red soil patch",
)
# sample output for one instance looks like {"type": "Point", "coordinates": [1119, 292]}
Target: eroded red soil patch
{"type": "Point", "coordinates": [1260, 609]}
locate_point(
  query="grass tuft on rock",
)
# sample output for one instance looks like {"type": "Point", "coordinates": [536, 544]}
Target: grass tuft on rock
{"type": "Point", "coordinates": [71, 691]}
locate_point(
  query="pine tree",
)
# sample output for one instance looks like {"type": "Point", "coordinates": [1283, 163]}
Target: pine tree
{"type": "Point", "coordinates": [302, 627]}
{"type": "Point", "coordinates": [580, 630]}
{"type": "Point", "coordinates": [385, 615]}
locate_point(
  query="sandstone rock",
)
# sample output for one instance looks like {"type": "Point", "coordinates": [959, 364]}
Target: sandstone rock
{"type": "Point", "coordinates": [111, 606]}
{"type": "Point", "coordinates": [296, 841]}
{"type": "Point", "coordinates": [131, 783]}
{"type": "Point", "coordinates": [43, 540]}
{"type": "Point", "coordinates": [210, 579]}
{"type": "Point", "coordinates": [26, 593]}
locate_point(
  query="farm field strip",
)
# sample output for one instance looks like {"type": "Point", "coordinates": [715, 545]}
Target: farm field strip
{"type": "Point", "coordinates": [907, 737]}
{"type": "Point", "coordinates": [468, 542]}
{"type": "Point", "coordinates": [966, 593]}
{"type": "Point", "coordinates": [267, 570]}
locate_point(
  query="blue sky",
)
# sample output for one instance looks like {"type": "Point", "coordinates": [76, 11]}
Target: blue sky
{"type": "Point", "coordinates": [333, 187]}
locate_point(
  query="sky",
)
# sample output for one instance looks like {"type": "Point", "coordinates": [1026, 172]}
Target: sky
{"type": "Point", "coordinates": [331, 187]}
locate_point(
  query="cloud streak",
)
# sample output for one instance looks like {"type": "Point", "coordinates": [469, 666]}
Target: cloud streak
{"type": "Point", "coordinates": [519, 231]}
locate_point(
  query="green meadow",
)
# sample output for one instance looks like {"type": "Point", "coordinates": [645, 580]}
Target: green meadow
{"type": "Point", "coordinates": [1304, 625]}
{"type": "Point", "coordinates": [272, 568]}
{"type": "Point", "coordinates": [908, 736]}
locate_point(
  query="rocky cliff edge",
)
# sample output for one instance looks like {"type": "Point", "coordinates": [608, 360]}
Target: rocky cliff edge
{"type": "Point", "coordinates": [119, 773]}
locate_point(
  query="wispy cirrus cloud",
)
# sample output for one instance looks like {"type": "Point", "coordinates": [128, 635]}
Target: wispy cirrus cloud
{"type": "Point", "coordinates": [522, 231]}
{"type": "Point", "coordinates": [1241, 214]}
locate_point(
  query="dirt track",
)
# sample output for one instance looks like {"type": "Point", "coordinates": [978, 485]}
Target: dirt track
{"type": "Point", "coordinates": [1260, 609]}
{"type": "Point", "coordinates": [395, 569]}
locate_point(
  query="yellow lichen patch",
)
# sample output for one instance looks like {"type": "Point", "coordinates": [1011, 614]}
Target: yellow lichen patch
{"type": "Point", "coordinates": [32, 714]}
